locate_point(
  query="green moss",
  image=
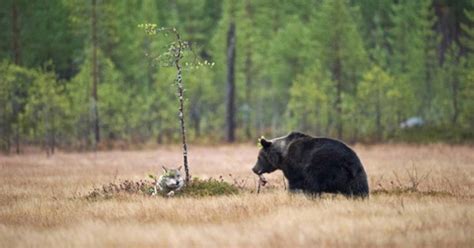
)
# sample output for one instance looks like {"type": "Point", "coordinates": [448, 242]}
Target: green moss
{"type": "Point", "coordinates": [210, 187]}
{"type": "Point", "coordinates": [196, 188]}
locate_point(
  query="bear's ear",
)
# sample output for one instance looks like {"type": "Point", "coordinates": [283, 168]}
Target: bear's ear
{"type": "Point", "coordinates": [265, 143]}
{"type": "Point", "coordinates": [180, 167]}
{"type": "Point", "coordinates": [165, 170]}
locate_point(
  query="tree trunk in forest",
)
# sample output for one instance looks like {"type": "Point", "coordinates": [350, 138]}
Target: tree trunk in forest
{"type": "Point", "coordinates": [16, 50]}
{"type": "Point", "coordinates": [197, 127]}
{"type": "Point", "coordinates": [50, 139]}
{"type": "Point", "coordinates": [95, 77]}
{"type": "Point", "coordinates": [337, 71]}
{"type": "Point", "coordinates": [338, 106]}
{"type": "Point", "coordinates": [53, 133]}
{"type": "Point", "coordinates": [196, 115]}
{"type": "Point", "coordinates": [230, 118]}
{"type": "Point", "coordinates": [150, 68]}
{"type": "Point", "coordinates": [248, 91]}
{"type": "Point", "coordinates": [428, 94]}
{"type": "Point", "coordinates": [248, 73]}
{"type": "Point", "coordinates": [378, 118]}
{"type": "Point", "coordinates": [455, 102]}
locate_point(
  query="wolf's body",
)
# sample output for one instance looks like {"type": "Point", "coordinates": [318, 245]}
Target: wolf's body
{"type": "Point", "coordinates": [170, 182]}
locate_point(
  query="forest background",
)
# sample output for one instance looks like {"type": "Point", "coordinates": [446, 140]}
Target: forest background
{"type": "Point", "coordinates": [81, 75]}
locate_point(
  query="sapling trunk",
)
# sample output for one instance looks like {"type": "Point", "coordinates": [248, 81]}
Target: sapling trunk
{"type": "Point", "coordinates": [179, 80]}
{"type": "Point", "coordinates": [173, 58]}
{"type": "Point", "coordinates": [95, 77]}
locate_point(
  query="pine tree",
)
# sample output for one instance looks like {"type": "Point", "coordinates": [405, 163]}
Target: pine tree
{"type": "Point", "coordinates": [430, 43]}
{"type": "Point", "coordinates": [378, 53]}
{"type": "Point", "coordinates": [308, 103]}
{"type": "Point", "coordinates": [376, 94]}
{"type": "Point", "coordinates": [247, 42]}
{"type": "Point", "coordinates": [45, 110]}
{"type": "Point", "coordinates": [468, 39]}
{"type": "Point", "coordinates": [111, 87]}
{"type": "Point", "coordinates": [342, 53]}
{"type": "Point", "coordinates": [15, 82]}
{"type": "Point", "coordinates": [230, 96]}
{"type": "Point", "coordinates": [223, 80]}
{"type": "Point", "coordinates": [467, 91]}
{"type": "Point", "coordinates": [453, 84]}
{"type": "Point", "coordinates": [405, 57]}
{"type": "Point", "coordinates": [413, 43]}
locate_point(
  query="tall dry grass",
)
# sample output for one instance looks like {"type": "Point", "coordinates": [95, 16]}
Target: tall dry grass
{"type": "Point", "coordinates": [421, 197]}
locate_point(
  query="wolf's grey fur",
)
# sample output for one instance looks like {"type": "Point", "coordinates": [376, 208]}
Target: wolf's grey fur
{"type": "Point", "coordinates": [170, 181]}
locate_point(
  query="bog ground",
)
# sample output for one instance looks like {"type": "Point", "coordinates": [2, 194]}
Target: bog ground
{"type": "Point", "coordinates": [421, 196]}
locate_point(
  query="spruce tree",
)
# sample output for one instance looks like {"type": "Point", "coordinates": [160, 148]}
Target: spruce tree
{"type": "Point", "coordinates": [342, 53]}
{"type": "Point", "coordinates": [45, 110]}
{"type": "Point", "coordinates": [467, 92]}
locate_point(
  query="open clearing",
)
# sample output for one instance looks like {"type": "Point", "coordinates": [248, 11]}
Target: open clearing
{"type": "Point", "coordinates": [42, 203]}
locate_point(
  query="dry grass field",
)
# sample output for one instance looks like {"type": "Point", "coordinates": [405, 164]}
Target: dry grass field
{"type": "Point", "coordinates": [422, 196]}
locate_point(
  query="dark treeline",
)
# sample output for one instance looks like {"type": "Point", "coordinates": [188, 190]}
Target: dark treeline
{"type": "Point", "coordinates": [77, 74]}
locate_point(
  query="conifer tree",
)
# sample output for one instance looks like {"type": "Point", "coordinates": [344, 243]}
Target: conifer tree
{"type": "Point", "coordinates": [45, 109]}
{"type": "Point", "coordinates": [342, 53]}
{"type": "Point", "coordinates": [376, 96]}
{"type": "Point", "coordinates": [467, 91]}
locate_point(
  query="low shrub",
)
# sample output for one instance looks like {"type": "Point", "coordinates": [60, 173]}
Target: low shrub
{"type": "Point", "coordinates": [210, 187]}
{"type": "Point", "coordinates": [108, 191]}
{"type": "Point", "coordinates": [196, 188]}
{"type": "Point", "coordinates": [433, 134]}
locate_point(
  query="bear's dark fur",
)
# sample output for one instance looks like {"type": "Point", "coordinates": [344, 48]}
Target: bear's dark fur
{"type": "Point", "coordinates": [314, 165]}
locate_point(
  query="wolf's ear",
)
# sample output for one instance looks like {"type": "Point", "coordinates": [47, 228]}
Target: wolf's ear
{"type": "Point", "coordinates": [165, 170]}
{"type": "Point", "coordinates": [179, 168]}
{"type": "Point", "coordinates": [265, 143]}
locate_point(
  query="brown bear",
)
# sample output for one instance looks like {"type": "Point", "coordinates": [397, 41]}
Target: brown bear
{"type": "Point", "coordinates": [313, 165]}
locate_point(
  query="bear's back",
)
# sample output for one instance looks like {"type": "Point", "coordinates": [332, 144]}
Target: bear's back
{"type": "Point", "coordinates": [328, 163]}
{"type": "Point", "coordinates": [322, 146]}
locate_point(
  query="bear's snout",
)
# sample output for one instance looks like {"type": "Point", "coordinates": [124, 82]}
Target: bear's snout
{"type": "Point", "coordinates": [257, 170]}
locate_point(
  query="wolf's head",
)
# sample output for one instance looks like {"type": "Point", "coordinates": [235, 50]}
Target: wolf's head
{"type": "Point", "coordinates": [171, 179]}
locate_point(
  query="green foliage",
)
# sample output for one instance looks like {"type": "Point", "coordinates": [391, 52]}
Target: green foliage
{"type": "Point", "coordinates": [343, 55]}
{"type": "Point", "coordinates": [45, 109]}
{"type": "Point", "coordinates": [467, 77]}
{"type": "Point", "coordinates": [196, 188]}
{"type": "Point", "coordinates": [377, 95]}
{"type": "Point", "coordinates": [435, 134]}
{"type": "Point", "coordinates": [414, 57]}
{"type": "Point", "coordinates": [339, 40]}
{"type": "Point", "coordinates": [15, 82]}
{"type": "Point", "coordinates": [468, 38]}
{"type": "Point", "coordinates": [113, 105]}
{"type": "Point", "coordinates": [317, 66]}
{"type": "Point", "coordinates": [467, 96]}
{"type": "Point", "coordinates": [120, 189]}
{"type": "Point", "coordinates": [210, 187]}
{"type": "Point", "coordinates": [308, 105]}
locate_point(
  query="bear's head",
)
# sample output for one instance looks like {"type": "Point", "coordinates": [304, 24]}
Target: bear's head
{"type": "Point", "coordinates": [269, 158]}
